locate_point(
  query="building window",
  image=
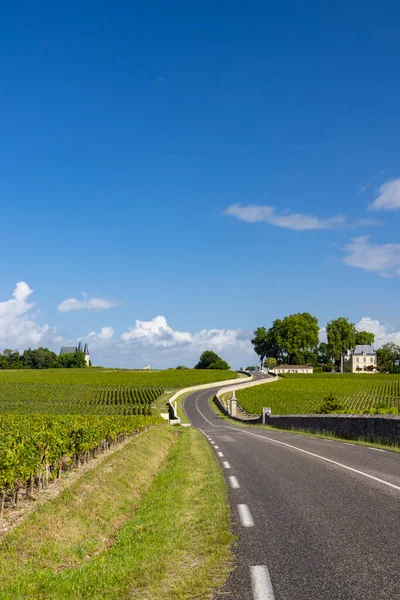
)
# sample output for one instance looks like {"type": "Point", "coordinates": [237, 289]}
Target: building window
{"type": "Point", "coordinates": [371, 359]}
{"type": "Point", "coordinates": [357, 359]}
{"type": "Point", "coordinates": [364, 359]}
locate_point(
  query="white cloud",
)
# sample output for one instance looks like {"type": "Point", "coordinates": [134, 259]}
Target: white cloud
{"type": "Point", "coordinates": [388, 198]}
{"type": "Point", "coordinates": [18, 326]}
{"type": "Point", "coordinates": [155, 341]}
{"type": "Point", "coordinates": [156, 333]}
{"type": "Point", "coordinates": [383, 259]}
{"type": "Point", "coordinates": [105, 334]}
{"type": "Point", "coordinates": [253, 213]}
{"type": "Point", "coordinates": [383, 333]}
{"type": "Point", "coordinates": [93, 304]}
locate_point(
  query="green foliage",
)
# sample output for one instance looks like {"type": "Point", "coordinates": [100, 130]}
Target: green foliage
{"type": "Point", "coordinates": [365, 337]}
{"type": "Point", "coordinates": [211, 360]}
{"type": "Point", "coordinates": [180, 367]}
{"type": "Point", "coordinates": [41, 358]}
{"type": "Point", "coordinates": [35, 444]}
{"type": "Point", "coordinates": [330, 405]}
{"type": "Point", "coordinates": [292, 340]}
{"type": "Point", "coordinates": [324, 357]}
{"type": "Point", "coordinates": [219, 365]}
{"type": "Point", "coordinates": [271, 363]}
{"type": "Point", "coordinates": [32, 398]}
{"type": "Point", "coordinates": [388, 357]}
{"type": "Point", "coordinates": [74, 360]}
{"type": "Point", "coordinates": [341, 337]}
{"type": "Point", "coordinates": [261, 343]}
{"type": "Point", "coordinates": [305, 393]}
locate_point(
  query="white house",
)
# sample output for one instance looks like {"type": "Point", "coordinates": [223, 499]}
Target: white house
{"type": "Point", "coordinates": [292, 369]}
{"type": "Point", "coordinates": [360, 360]}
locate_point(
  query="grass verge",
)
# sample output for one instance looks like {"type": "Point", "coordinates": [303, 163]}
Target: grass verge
{"type": "Point", "coordinates": [114, 535]}
{"type": "Point", "coordinates": [326, 436]}
{"type": "Point", "coordinates": [179, 407]}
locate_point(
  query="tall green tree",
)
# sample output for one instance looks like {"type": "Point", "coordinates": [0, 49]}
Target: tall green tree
{"type": "Point", "coordinates": [365, 338]}
{"type": "Point", "coordinates": [299, 338]}
{"type": "Point", "coordinates": [261, 343]}
{"type": "Point", "coordinates": [388, 357]}
{"type": "Point", "coordinates": [341, 335]}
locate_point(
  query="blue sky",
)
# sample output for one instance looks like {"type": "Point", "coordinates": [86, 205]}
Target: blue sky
{"type": "Point", "coordinates": [218, 165]}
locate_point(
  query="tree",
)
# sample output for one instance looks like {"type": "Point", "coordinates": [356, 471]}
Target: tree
{"type": "Point", "coordinates": [42, 358]}
{"type": "Point", "coordinates": [209, 358]}
{"type": "Point", "coordinates": [261, 343]}
{"type": "Point", "coordinates": [388, 357]}
{"type": "Point", "coordinates": [365, 338]}
{"type": "Point", "coordinates": [220, 365]}
{"type": "Point", "coordinates": [271, 363]}
{"type": "Point", "coordinates": [323, 356]}
{"type": "Point", "coordinates": [295, 338]}
{"type": "Point", "coordinates": [181, 367]}
{"type": "Point", "coordinates": [71, 360]}
{"type": "Point", "coordinates": [341, 337]}
{"type": "Point", "coordinates": [13, 359]}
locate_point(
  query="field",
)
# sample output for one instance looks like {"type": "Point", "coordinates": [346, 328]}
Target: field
{"type": "Point", "coordinates": [45, 398]}
{"type": "Point", "coordinates": [53, 419]}
{"type": "Point", "coordinates": [304, 394]}
{"type": "Point", "coordinates": [169, 379]}
{"type": "Point", "coordinates": [81, 391]}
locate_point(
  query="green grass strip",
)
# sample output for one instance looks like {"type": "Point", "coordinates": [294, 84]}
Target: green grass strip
{"type": "Point", "coordinates": [176, 545]}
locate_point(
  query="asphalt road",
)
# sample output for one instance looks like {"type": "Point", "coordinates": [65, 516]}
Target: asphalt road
{"type": "Point", "coordinates": [315, 519]}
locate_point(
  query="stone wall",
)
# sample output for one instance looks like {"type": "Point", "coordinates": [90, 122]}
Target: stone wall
{"type": "Point", "coordinates": [384, 429]}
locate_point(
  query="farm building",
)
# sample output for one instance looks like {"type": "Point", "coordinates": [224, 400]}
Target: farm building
{"type": "Point", "coordinates": [361, 359]}
{"type": "Point", "coordinates": [292, 369]}
{"type": "Point", "coordinates": [73, 349]}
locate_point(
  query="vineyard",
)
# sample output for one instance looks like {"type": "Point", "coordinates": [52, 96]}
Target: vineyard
{"type": "Point", "coordinates": [304, 394]}
{"type": "Point", "coordinates": [36, 449]}
{"type": "Point", "coordinates": [32, 398]}
{"type": "Point", "coordinates": [168, 379]}
{"type": "Point", "coordinates": [55, 419]}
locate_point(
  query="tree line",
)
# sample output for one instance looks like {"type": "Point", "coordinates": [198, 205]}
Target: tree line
{"type": "Point", "coordinates": [41, 358]}
{"type": "Point", "coordinates": [295, 340]}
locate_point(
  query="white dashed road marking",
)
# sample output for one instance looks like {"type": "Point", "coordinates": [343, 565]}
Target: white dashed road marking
{"type": "Point", "coordinates": [220, 454]}
{"type": "Point", "coordinates": [245, 515]}
{"type": "Point", "coordinates": [376, 449]}
{"type": "Point", "coordinates": [226, 465]}
{"type": "Point", "coordinates": [261, 583]}
{"type": "Point", "coordinates": [234, 482]}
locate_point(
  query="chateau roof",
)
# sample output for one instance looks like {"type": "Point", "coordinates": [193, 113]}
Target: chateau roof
{"type": "Point", "coordinates": [68, 350]}
{"type": "Point", "coordinates": [367, 348]}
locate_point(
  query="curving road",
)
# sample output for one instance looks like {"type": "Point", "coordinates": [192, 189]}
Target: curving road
{"type": "Point", "coordinates": [315, 519]}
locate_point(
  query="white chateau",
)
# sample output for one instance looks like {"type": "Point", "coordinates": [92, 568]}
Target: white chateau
{"type": "Point", "coordinates": [73, 349]}
{"type": "Point", "coordinates": [360, 360]}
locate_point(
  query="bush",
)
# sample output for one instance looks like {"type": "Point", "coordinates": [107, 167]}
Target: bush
{"type": "Point", "coordinates": [220, 365]}
{"type": "Point", "coordinates": [330, 405]}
